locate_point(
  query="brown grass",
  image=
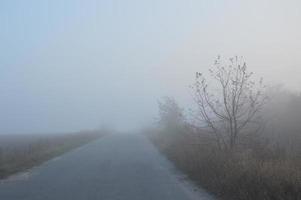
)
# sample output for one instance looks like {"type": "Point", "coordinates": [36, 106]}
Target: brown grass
{"type": "Point", "coordinates": [237, 176]}
{"type": "Point", "coordinates": [22, 152]}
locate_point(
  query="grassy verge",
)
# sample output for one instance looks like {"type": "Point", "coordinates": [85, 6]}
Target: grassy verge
{"type": "Point", "coordinates": [22, 152]}
{"type": "Point", "coordinates": [239, 176]}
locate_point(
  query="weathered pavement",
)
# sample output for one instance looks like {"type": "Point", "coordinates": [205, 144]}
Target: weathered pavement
{"type": "Point", "coordinates": [116, 167]}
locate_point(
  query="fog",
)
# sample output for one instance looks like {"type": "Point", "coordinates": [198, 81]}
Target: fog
{"type": "Point", "coordinates": [72, 65]}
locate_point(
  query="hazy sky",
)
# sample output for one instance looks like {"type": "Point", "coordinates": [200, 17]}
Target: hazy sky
{"type": "Point", "coordinates": [75, 64]}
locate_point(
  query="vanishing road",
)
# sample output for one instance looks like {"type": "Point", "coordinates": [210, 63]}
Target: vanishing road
{"type": "Point", "coordinates": [115, 167]}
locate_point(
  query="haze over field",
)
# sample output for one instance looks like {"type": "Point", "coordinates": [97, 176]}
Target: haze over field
{"type": "Point", "coordinates": [69, 65]}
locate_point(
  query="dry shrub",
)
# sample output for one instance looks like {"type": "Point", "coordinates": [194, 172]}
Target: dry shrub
{"type": "Point", "coordinates": [242, 175]}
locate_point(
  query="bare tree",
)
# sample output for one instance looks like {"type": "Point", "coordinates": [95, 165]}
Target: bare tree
{"type": "Point", "coordinates": [231, 107]}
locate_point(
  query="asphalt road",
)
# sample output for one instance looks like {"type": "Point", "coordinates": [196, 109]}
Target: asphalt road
{"type": "Point", "coordinates": [116, 167]}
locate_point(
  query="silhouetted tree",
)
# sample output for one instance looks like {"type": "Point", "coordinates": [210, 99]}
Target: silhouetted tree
{"type": "Point", "coordinates": [230, 107]}
{"type": "Point", "coordinates": [170, 113]}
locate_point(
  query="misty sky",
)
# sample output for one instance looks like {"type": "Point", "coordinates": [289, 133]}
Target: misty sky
{"type": "Point", "coordinates": [74, 64]}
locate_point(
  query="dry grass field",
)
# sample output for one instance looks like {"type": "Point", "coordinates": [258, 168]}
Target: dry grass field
{"type": "Point", "coordinates": [21, 152]}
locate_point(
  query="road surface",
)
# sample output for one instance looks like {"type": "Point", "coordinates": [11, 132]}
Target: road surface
{"type": "Point", "coordinates": [115, 167]}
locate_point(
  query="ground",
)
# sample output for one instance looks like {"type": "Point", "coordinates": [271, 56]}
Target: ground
{"type": "Point", "coordinates": [115, 167]}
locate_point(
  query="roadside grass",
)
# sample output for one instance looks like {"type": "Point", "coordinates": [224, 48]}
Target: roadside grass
{"type": "Point", "coordinates": [22, 152]}
{"type": "Point", "coordinates": [240, 176]}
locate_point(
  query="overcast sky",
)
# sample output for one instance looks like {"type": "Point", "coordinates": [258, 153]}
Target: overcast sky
{"type": "Point", "coordinates": [75, 64]}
